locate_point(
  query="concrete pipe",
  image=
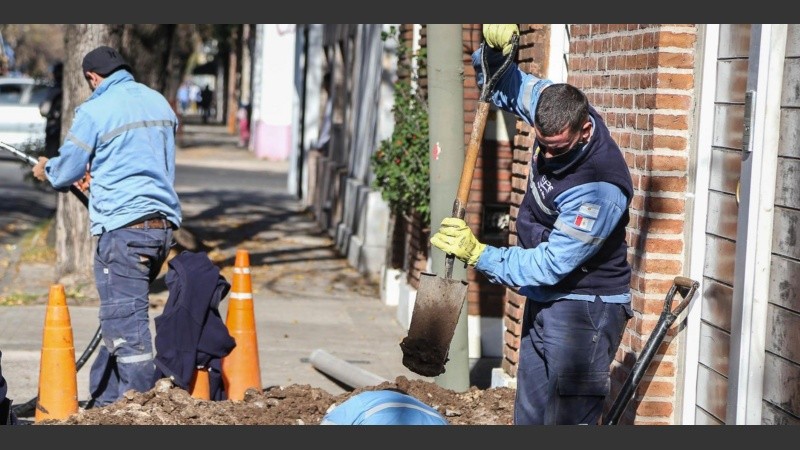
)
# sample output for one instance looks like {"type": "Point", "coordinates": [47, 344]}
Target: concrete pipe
{"type": "Point", "coordinates": [343, 371]}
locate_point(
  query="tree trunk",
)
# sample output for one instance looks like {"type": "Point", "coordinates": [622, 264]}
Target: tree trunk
{"type": "Point", "coordinates": [74, 245]}
{"type": "Point", "coordinates": [146, 47]}
{"type": "Point", "coordinates": [233, 89]}
{"type": "Point", "coordinates": [158, 53]}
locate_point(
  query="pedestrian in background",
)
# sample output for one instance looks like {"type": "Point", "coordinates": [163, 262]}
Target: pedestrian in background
{"type": "Point", "coordinates": [183, 97]}
{"type": "Point", "coordinates": [194, 98]}
{"type": "Point", "coordinates": [206, 99]}
{"type": "Point", "coordinates": [571, 256]}
{"type": "Point", "coordinates": [383, 407]}
{"type": "Point", "coordinates": [50, 108]}
{"type": "Point", "coordinates": [126, 130]}
{"type": "Point", "coordinates": [243, 116]}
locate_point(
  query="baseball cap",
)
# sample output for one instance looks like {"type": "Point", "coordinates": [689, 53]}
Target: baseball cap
{"type": "Point", "coordinates": [103, 60]}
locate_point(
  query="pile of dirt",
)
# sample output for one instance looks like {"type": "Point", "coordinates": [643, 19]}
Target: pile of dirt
{"type": "Point", "coordinates": [295, 404]}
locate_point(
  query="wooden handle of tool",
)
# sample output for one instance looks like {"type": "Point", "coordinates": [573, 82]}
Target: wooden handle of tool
{"type": "Point", "coordinates": [684, 282]}
{"type": "Point", "coordinates": [460, 204]}
{"type": "Point", "coordinates": [471, 157]}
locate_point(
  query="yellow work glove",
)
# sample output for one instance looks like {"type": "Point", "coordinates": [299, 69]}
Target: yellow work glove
{"type": "Point", "coordinates": [498, 35]}
{"type": "Point", "coordinates": [455, 238]}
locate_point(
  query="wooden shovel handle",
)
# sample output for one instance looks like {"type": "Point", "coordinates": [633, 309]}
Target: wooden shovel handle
{"type": "Point", "coordinates": [479, 123]}
{"type": "Point", "coordinates": [470, 159]}
{"type": "Point", "coordinates": [476, 137]}
{"type": "Point", "coordinates": [460, 204]}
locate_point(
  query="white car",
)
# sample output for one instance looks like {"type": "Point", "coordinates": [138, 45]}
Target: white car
{"type": "Point", "coordinates": [21, 123]}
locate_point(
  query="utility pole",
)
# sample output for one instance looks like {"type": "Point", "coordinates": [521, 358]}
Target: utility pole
{"type": "Point", "coordinates": [446, 104]}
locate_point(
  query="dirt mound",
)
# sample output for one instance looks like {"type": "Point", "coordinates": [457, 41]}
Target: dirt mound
{"type": "Point", "coordinates": [295, 404]}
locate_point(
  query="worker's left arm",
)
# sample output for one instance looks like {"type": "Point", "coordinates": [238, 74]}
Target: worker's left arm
{"type": "Point", "coordinates": [587, 214]}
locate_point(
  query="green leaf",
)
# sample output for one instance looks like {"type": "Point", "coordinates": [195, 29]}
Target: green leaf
{"type": "Point", "coordinates": [401, 162]}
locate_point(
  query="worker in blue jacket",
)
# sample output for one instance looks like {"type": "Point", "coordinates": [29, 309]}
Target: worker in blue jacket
{"type": "Point", "coordinates": [570, 260]}
{"type": "Point", "coordinates": [383, 407]}
{"type": "Point", "coordinates": [124, 133]}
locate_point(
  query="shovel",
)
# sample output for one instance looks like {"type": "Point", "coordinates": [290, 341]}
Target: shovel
{"type": "Point", "coordinates": [439, 300]}
{"type": "Point", "coordinates": [687, 288]}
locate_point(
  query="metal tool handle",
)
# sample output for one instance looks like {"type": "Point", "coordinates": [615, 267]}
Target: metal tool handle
{"type": "Point", "coordinates": [476, 136]}
{"type": "Point", "coordinates": [19, 154]}
{"type": "Point", "coordinates": [488, 84]}
{"type": "Point", "coordinates": [688, 287]}
{"type": "Point", "coordinates": [33, 161]}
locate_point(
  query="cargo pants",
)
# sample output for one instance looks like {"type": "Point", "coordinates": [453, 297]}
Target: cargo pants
{"type": "Point", "coordinates": [126, 262]}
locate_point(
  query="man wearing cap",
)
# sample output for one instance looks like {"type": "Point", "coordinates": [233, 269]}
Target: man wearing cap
{"type": "Point", "coordinates": [125, 134]}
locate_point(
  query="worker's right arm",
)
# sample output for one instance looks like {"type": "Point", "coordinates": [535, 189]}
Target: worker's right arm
{"type": "Point", "coordinates": [73, 156]}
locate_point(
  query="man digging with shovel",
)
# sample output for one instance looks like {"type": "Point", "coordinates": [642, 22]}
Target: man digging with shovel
{"type": "Point", "coordinates": [571, 257]}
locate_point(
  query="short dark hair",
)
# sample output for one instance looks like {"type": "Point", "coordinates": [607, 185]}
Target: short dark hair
{"type": "Point", "coordinates": [561, 105]}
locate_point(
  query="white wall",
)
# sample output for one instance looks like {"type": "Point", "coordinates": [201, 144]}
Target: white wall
{"type": "Point", "coordinates": [273, 91]}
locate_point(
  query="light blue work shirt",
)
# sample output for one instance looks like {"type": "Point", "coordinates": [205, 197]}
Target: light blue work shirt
{"type": "Point", "coordinates": [127, 131]}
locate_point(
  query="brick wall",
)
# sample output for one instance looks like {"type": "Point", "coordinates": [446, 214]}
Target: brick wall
{"type": "Point", "coordinates": [531, 56]}
{"type": "Point", "coordinates": [641, 79]}
{"type": "Point", "coordinates": [491, 183]}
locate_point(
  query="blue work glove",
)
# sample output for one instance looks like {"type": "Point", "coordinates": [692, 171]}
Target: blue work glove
{"type": "Point", "coordinates": [498, 35]}
{"type": "Point", "coordinates": [455, 238]}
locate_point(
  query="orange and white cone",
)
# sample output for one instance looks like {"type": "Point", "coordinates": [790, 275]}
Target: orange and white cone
{"type": "Point", "coordinates": [200, 386]}
{"type": "Point", "coordinates": [58, 376]}
{"type": "Point", "coordinates": [240, 368]}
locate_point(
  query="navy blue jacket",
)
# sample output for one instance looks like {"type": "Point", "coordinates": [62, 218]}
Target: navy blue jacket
{"type": "Point", "coordinates": [190, 333]}
{"type": "Point", "coordinates": [607, 272]}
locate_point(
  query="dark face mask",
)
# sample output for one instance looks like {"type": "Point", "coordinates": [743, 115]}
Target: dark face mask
{"type": "Point", "coordinates": [561, 161]}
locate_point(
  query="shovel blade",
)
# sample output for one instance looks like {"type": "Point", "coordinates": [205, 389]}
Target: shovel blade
{"type": "Point", "coordinates": [433, 322]}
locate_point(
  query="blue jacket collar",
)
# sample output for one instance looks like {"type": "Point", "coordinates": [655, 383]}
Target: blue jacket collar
{"type": "Point", "coordinates": [117, 77]}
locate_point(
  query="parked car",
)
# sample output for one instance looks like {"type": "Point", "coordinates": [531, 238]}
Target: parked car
{"type": "Point", "coordinates": [22, 124]}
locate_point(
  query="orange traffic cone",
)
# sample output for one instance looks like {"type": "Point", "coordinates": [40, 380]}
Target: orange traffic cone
{"type": "Point", "coordinates": [58, 378]}
{"type": "Point", "coordinates": [200, 386]}
{"type": "Point", "coordinates": [240, 368]}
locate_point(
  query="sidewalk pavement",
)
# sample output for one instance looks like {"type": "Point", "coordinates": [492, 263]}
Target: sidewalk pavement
{"type": "Point", "coordinates": [305, 296]}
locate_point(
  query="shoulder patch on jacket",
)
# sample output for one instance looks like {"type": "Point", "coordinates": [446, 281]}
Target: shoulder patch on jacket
{"type": "Point", "coordinates": [584, 223]}
{"type": "Point", "coordinates": [589, 210]}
